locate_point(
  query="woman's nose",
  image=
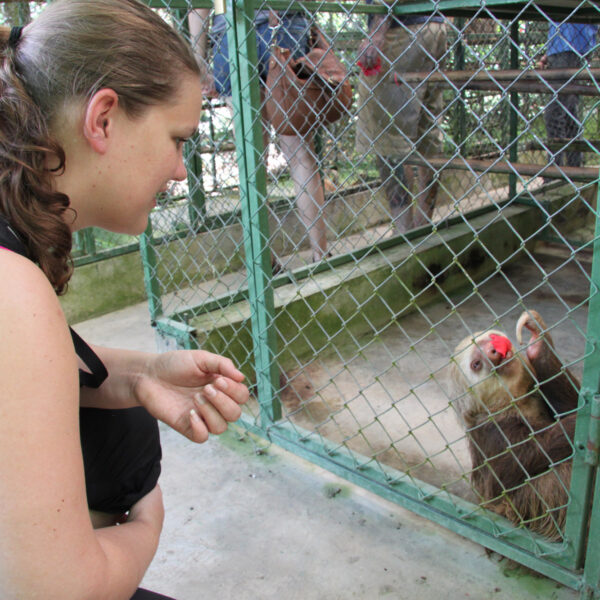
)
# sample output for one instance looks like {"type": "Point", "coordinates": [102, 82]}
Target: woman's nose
{"type": "Point", "coordinates": [181, 171]}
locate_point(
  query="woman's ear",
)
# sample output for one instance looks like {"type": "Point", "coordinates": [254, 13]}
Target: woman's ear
{"type": "Point", "coordinates": [99, 118]}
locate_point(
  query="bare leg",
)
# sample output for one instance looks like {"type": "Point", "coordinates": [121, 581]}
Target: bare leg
{"type": "Point", "coordinates": [426, 196]}
{"type": "Point", "coordinates": [310, 198]}
{"type": "Point", "coordinates": [393, 179]}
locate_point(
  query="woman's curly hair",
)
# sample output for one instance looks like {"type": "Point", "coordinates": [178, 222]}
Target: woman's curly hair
{"type": "Point", "coordinates": [72, 50]}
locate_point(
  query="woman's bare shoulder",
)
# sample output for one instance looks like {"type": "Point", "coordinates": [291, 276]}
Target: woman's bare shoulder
{"type": "Point", "coordinates": [32, 323]}
{"type": "Point", "coordinates": [24, 280]}
{"type": "Point", "coordinates": [42, 487]}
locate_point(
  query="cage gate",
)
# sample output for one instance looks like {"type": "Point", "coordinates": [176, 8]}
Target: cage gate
{"type": "Point", "coordinates": [344, 306]}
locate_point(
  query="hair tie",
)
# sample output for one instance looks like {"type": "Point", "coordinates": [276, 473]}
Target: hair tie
{"type": "Point", "coordinates": [14, 37]}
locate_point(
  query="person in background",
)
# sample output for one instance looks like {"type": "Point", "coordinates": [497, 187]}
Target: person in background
{"type": "Point", "coordinates": [199, 26]}
{"type": "Point", "coordinates": [567, 48]}
{"type": "Point", "coordinates": [397, 120]}
{"type": "Point", "coordinates": [299, 151]}
{"type": "Point", "coordinates": [92, 125]}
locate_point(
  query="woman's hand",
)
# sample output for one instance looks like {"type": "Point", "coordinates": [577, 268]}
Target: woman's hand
{"type": "Point", "coordinates": [193, 391]}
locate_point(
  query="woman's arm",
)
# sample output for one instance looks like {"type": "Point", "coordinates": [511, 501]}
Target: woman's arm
{"type": "Point", "coordinates": [48, 548]}
{"type": "Point", "coordinates": [193, 391]}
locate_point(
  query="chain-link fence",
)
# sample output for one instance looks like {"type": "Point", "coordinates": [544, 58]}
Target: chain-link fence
{"type": "Point", "coordinates": [341, 268]}
{"type": "Point", "coordinates": [349, 269]}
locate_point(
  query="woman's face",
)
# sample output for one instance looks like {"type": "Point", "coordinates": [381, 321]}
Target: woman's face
{"type": "Point", "coordinates": [146, 153]}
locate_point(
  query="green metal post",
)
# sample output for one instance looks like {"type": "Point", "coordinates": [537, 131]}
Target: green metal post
{"type": "Point", "coordinates": [149, 263]}
{"type": "Point", "coordinates": [586, 435]}
{"type": "Point", "coordinates": [211, 133]}
{"type": "Point", "coordinates": [24, 13]}
{"type": "Point", "coordinates": [253, 193]}
{"type": "Point", "coordinates": [591, 574]}
{"type": "Point", "coordinates": [197, 195]}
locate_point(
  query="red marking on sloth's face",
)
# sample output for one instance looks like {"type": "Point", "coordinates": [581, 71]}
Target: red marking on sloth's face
{"type": "Point", "coordinates": [501, 344]}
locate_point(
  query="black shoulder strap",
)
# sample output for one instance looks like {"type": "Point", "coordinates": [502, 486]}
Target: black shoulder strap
{"type": "Point", "coordinates": [10, 239]}
{"type": "Point", "coordinates": [98, 373]}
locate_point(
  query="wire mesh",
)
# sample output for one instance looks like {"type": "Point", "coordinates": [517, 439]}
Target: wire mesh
{"type": "Point", "coordinates": [470, 201]}
{"type": "Point", "coordinates": [358, 266]}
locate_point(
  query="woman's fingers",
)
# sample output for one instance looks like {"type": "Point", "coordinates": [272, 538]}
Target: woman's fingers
{"type": "Point", "coordinates": [214, 406]}
{"type": "Point", "coordinates": [233, 389]}
{"type": "Point", "coordinates": [225, 406]}
{"type": "Point", "coordinates": [214, 410]}
{"type": "Point", "coordinates": [217, 365]}
{"type": "Point", "coordinates": [199, 431]}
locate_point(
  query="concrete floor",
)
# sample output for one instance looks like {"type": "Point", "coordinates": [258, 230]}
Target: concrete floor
{"type": "Point", "coordinates": [258, 526]}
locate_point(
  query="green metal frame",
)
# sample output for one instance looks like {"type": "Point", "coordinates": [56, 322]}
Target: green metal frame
{"type": "Point", "coordinates": [572, 562]}
{"type": "Point", "coordinates": [503, 8]}
{"type": "Point", "coordinates": [591, 574]}
{"type": "Point", "coordinates": [587, 440]}
{"type": "Point", "coordinates": [149, 264]}
{"type": "Point", "coordinates": [253, 191]}
{"type": "Point", "coordinates": [458, 515]}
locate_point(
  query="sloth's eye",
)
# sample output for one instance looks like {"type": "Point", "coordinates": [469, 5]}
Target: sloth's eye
{"type": "Point", "coordinates": [476, 365]}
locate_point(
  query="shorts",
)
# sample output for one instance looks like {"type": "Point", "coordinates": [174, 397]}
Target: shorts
{"type": "Point", "coordinates": [396, 118]}
{"type": "Point", "coordinates": [294, 34]}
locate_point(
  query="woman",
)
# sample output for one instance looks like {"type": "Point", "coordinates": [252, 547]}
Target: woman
{"type": "Point", "coordinates": [92, 124]}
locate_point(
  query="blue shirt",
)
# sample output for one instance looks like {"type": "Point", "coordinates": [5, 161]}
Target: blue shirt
{"type": "Point", "coordinates": [571, 37]}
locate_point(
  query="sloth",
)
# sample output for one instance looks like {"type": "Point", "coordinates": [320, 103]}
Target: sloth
{"type": "Point", "coordinates": [518, 408]}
